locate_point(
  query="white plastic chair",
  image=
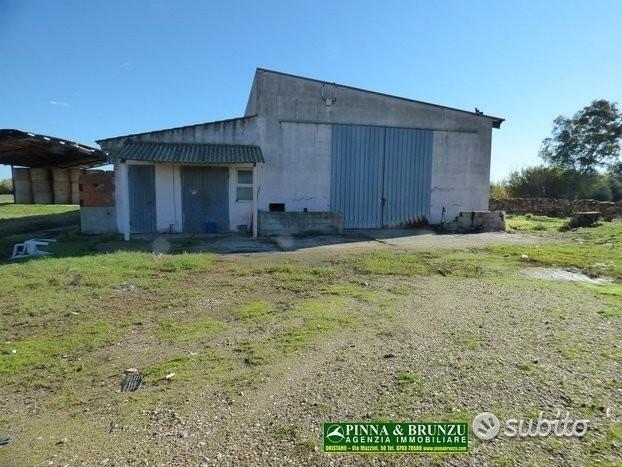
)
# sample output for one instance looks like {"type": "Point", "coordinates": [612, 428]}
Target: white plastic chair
{"type": "Point", "coordinates": [30, 248]}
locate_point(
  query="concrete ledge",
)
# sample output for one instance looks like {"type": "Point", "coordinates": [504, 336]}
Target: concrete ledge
{"type": "Point", "coordinates": [477, 221]}
{"type": "Point", "coordinates": [98, 220]}
{"type": "Point", "coordinates": [299, 223]}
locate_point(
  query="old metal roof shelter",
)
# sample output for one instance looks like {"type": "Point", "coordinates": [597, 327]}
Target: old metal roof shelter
{"type": "Point", "coordinates": [191, 153]}
{"type": "Point", "coordinates": [25, 149]}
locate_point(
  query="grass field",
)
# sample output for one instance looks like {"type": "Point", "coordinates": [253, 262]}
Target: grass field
{"type": "Point", "coordinates": [265, 348]}
{"type": "Point", "coordinates": [18, 221]}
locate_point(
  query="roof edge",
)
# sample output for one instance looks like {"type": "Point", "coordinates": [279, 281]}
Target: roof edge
{"type": "Point", "coordinates": [154, 143]}
{"type": "Point", "coordinates": [179, 152]}
{"type": "Point", "coordinates": [247, 117]}
{"type": "Point", "coordinates": [496, 121]}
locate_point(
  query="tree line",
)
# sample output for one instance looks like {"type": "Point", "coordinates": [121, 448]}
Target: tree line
{"type": "Point", "coordinates": [581, 159]}
{"type": "Point", "coordinates": [6, 186]}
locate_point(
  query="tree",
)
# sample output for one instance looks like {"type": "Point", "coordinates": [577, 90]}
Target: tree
{"type": "Point", "coordinates": [6, 186]}
{"type": "Point", "coordinates": [499, 190]}
{"type": "Point", "coordinates": [541, 182]}
{"type": "Point", "coordinates": [587, 141]}
{"type": "Point", "coordinates": [615, 169]}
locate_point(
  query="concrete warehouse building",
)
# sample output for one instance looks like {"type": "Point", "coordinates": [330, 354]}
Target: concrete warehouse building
{"type": "Point", "coordinates": [305, 146]}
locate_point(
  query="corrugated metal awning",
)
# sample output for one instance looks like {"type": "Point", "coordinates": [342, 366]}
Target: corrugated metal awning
{"type": "Point", "coordinates": [22, 148]}
{"type": "Point", "coordinates": [191, 153]}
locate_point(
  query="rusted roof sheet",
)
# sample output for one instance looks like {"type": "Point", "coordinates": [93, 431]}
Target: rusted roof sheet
{"type": "Point", "coordinates": [21, 148]}
{"type": "Point", "coordinates": [191, 153]}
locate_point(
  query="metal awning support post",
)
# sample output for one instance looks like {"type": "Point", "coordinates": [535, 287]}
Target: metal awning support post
{"type": "Point", "coordinates": [123, 199]}
{"type": "Point", "coordinates": [13, 183]}
{"type": "Point", "coordinates": [255, 193]}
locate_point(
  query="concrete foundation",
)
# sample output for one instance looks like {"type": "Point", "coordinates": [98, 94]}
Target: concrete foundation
{"type": "Point", "coordinates": [98, 212]}
{"type": "Point", "coordinates": [98, 220]}
{"type": "Point", "coordinates": [477, 221]}
{"type": "Point", "coordinates": [299, 223]}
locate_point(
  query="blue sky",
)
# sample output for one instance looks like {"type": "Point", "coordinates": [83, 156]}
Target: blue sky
{"type": "Point", "coordinates": [85, 70]}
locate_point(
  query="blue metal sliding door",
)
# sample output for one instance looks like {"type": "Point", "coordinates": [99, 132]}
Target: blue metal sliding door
{"type": "Point", "coordinates": [381, 176]}
{"type": "Point", "coordinates": [356, 175]}
{"type": "Point", "coordinates": [407, 177]}
{"type": "Point", "coordinates": [141, 180]}
{"type": "Point", "coordinates": [205, 198]}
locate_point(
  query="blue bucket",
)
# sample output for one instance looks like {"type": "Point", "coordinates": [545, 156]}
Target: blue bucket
{"type": "Point", "coordinates": [210, 227]}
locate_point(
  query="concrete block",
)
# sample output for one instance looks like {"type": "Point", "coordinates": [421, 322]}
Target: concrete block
{"type": "Point", "coordinates": [299, 223]}
{"type": "Point", "coordinates": [585, 219]}
{"type": "Point", "coordinates": [98, 220]}
{"type": "Point", "coordinates": [477, 221]}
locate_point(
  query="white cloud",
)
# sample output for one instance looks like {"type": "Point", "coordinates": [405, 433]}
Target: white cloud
{"type": "Point", "coordinates": [59, 103]}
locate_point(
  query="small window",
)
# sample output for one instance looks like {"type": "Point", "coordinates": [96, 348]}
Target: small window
{"type": "Point", "coordinates": [245, 185]}
{"type": "Point", "coordinates": [245, 177]}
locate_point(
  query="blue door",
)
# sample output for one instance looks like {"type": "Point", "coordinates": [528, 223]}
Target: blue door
{"type": "Point", "coordinates": [141, 179]}
{"type": "Point", "coordinates": [407, 177]}
{"type": "Point", "coordinates": [205, 198]}
{"type": "Point", "coordinates": [356, 175]}
{"type": "Point", "coordinates": [381, 176]}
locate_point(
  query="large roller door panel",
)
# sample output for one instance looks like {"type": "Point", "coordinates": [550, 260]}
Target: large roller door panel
{"type": "Point", "coordinates": [407, 177]}
{"type": "Point", "coordinates": [141, 180]}
{"type": "Point", "coordinates": [356, 175]}
{"type": "Point", "coordinates": [381, 176]}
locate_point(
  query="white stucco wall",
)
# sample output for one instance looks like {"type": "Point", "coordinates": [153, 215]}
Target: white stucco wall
{"type": "Point", "coordinates": [169, 209]}
{"type": "Point", "coordinates": [168, 198]}
{"type": "Point", "coordinates": [122, 199]}
{"type": "Point", "coordinates": [299, 172]}
{"type": "Point", "coordinates": [460, 175]}
{"type": "Point", "coordinates": [240, 212]}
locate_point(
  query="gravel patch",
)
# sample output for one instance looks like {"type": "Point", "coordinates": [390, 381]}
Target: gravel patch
{"type": "Point", "coordinates": [564, 275]}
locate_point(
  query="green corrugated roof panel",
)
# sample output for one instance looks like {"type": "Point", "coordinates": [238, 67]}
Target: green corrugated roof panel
{"type": "Point", "coordinates": [191, 153]}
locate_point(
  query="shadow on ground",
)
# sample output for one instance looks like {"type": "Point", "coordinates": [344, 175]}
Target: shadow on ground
{"type": "Point", "coordinates": [26, 224]}
{"type": "Point", "coordinates": [71, 243]}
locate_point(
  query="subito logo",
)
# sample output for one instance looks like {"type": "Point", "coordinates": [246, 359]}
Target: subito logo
{"type": "Point", "coordinates": [486, 426]}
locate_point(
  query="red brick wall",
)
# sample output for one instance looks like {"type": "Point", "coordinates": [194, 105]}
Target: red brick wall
{"type": "Point", "coordinates": [97, 189]}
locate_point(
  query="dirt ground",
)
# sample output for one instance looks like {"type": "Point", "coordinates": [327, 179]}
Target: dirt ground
{"type": "Point", "coordinates": [265, 347]}
{"type": "Point", "coordinates": [420, 239]}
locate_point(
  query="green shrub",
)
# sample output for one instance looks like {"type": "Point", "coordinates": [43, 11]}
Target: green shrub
{"type": "Point", "coordinates": [6, 186]}
{"type": "Point", "coordinates": [499, 191]}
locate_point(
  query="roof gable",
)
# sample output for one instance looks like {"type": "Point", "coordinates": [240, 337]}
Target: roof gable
{"type": "Point", "coordinates": [496, 121]}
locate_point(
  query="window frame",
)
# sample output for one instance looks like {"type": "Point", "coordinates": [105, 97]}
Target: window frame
{"type": "Point", "coordinates": [239, 185]}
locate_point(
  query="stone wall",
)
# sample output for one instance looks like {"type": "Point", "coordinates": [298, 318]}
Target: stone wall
{"type": "Point", "coordinates": [297, 223]}
{"type": "Point", "coordinates": [555, 207]}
